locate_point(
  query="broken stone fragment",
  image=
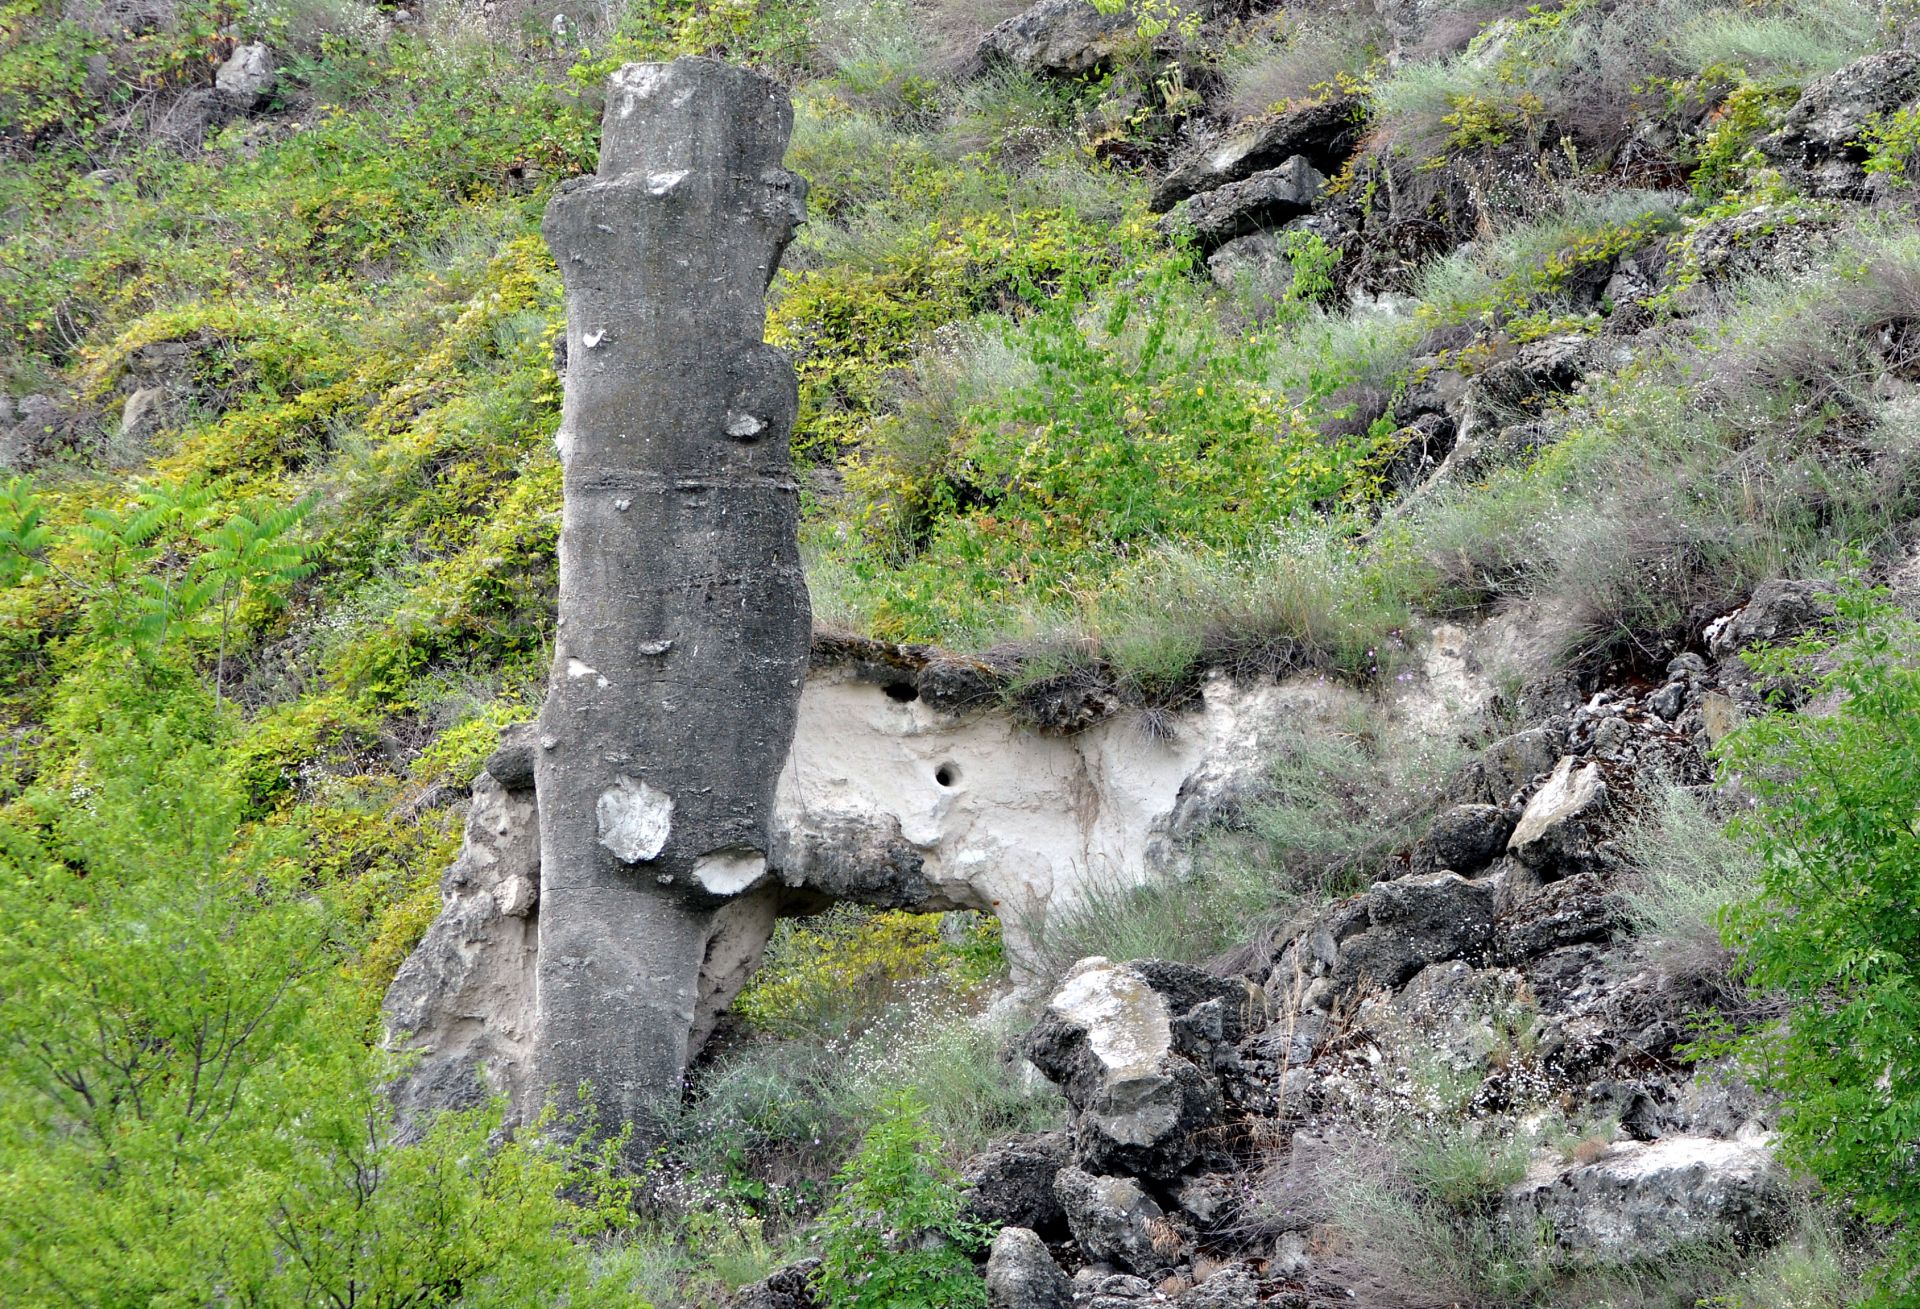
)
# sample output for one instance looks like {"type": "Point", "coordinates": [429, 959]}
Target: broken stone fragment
{"type": "Point", "coordinates": [1324, 134]}
{"type": "Point", "coordinates": [1059, 38]}
{"type": "Point", "coordinates": [1011, 1183]}
{"type": "Point", "coordinates": [1780, 609]}
{"type": "Point", "coordinates": [246, 77]}
{"type": "Point", "coordinates": [1413, 922]}
{"type": "Point", "coordinates": [1261, 202]}
{"type": "Point", "coordinates": [1821, 141]}
{"type": "Point", "coordinates": [1553, 828]}
{"type": "Point", "coordinates": [1644, 1200]}
{"type": "Point", "coordinates": [1114, 1221]}
{"type": "Point", "coordinates": [1135, 1068]}
{"type": "Point", "coordinates": [1021, 1273]}
{"type": "Point", "coordinates": [1464, 839]}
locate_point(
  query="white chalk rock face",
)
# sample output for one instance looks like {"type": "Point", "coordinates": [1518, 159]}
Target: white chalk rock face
{"type": "Point", "coordinates": [893, 802]}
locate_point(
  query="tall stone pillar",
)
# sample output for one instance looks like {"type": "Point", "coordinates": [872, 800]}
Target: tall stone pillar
{"type": "Point", "coordinates": [684, 620]}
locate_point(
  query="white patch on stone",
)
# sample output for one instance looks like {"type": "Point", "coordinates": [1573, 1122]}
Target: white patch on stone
{"type": "Point", "coordinates": [742, 426]}
{"type": "Point", "coordinates": [622, 505]}
{"type": "Point", "coordinates": [592, 339]}
{"type": "Point", "coordinates": [578, 668]}
{"type": "Point", "coordinates": [655, 647]}
{"type": "Point", "coordinates": [729, 872]}
{"type": "Point", "coordinates": [635, 820]}
{"type": "Point", "coordinates": [1573, 791]}
{"type": "Point", "coordinates": [661, 183]}
{"type": "Point", "coordinates": [635, 84]}
{"type": "Point", "coordinates": [1127, 1024]}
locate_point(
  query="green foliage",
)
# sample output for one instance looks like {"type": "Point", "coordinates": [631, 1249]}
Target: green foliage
{"type": "Point", "coordinates": [1832, 930]}
{"type": "Point", "coordinates": [186, 1112]}
{"type": "Point", "coordinates": [894, 1235]}
{"type": "Point", "coordinates": [1141, 419]}
{"type": "Point", "coordinates": [823, 972]}
{"type": "Point", "coordinates": [1893, 143]}
{"type": "Point", "coordinates": [1728, 155]}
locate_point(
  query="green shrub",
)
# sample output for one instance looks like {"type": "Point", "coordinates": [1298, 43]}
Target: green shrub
{"type": "Point", "coordinates": [1831, 930]}
{"type": "Point", "coordinates": [187, 1107]}
{"type": "Point", "coordinates": [894, 1235]}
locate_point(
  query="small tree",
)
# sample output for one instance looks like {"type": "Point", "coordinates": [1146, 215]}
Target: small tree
{"type": "Point", "coordinates": [1835, 928]}
{"type": "Point", "coordinates": [894, 1233]}
{"type": "Point", "coordinates": [137, 566]}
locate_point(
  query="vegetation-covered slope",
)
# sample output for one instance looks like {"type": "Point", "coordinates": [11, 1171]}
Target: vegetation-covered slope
{"type": "Point", "coordinates": [280, 380]}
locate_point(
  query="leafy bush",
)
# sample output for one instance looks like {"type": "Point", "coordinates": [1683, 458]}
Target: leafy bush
{"type": "Point", "coordinates": [1145, 420]}
{"type": "Point", "coordinates": [826, 973]}
{"type": "Point", "coordinates": [894, 1234]}
{"type": "Point", "coordinates": [1831, 929]}
{"type": "Point", "coordinates": [187, 1108]}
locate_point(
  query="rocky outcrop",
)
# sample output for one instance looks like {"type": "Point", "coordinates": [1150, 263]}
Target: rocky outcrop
{"type": "Point", "coordinates": [1260, 203]}
{"type": "Point", "coordinates": [788, 1288]}
{"type": "Point", "coordinates": [1011, 1185]}
{"type": "Point", "coordinates": [1779, 609]}
{"type": "Point", "coordinates": [1058, 38]}
{"type": "Point", "coordinates": [1490, 963]}
{"type": "Point", "coordinates": [1114, 1221]}
{"type": "Point", "coordinates": [1643, 1200]}
{"type": "Point", "coordinates": [1821, 143]}
{"type": "Point", "coordinates": [246, 78]}
{"type": "Point", "coordinates": [1555, 827]}
{"type": "Point", "coordinates": [1135, 1048]}
{"type": "Point", "coordinates": [464, 997]}
{"type": "Point", "coordinates": [683, 624]}
{"type": "Point", "coordinates": [1323, 134]}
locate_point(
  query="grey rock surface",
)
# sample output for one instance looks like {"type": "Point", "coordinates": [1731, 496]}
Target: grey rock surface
{"type": "Point", "coordinates": [1325, 134]}
{"type": "Point", "coordinates": [786, 1288]}
{"type": "Point", "coordinates": [1413, 922]}
{"type": "Point", "coordinates": [1011, 1184]}
{"type": "Point", "coordinates": [684, 620]}
{"type": "Point", "coordinates": [246, 77]}
{"type": "Point", "coordinates": [1556, 824]}
{"type": "Point", "coordinates": [1779, 610]}
{"type": "Point", "coordinates": [1465, 839]}
{"type": "Point", "coordinates": [1259, 203]}
{"type": "Point", "coordinates": [1115, 1221]}
{"type": "Point", "coordinates": [1021, 1273]}
{"type": "Point", "coordinates": [143, 413]}
{"type": "Point", "coordinates": [464, 997]}
{"type": "Point", "coordinates": [1230, 1288]}
{"type": "Point", "coordinates": [1645, 1199]}
{"type": "Point", "coordinates": [1819, 141]}
{"type": "Point", "coordinates": [1130, 1046]}
{"type": "Point", "coordinates": [1062, 38]}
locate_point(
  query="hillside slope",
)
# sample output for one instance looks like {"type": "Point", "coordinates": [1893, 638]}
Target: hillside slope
{"type": "Point", "coordinates": [1134, 347]}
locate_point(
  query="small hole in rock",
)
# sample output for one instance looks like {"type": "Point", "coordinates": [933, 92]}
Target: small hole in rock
{"type": "Point", "coordinates": [947, 774]}
{"type": "Point", "coordinates": [904, 692]}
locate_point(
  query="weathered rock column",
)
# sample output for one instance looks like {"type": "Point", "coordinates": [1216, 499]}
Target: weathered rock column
{"type": "Point", "coordinates": [684, 620]}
